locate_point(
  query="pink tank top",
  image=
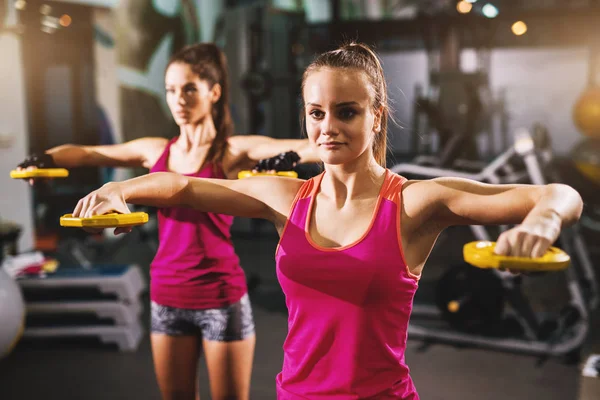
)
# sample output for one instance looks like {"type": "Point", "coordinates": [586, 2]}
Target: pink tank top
{"type": "Point", "coordinates": [195, 266]}
{"type": "Point", "coordinates": [349, 307]}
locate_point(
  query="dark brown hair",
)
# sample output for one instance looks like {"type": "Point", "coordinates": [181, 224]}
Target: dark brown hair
{"type": "Point", "coordinates": [210, 64]}
{"type": "Point", "coordinates": [360, 57]}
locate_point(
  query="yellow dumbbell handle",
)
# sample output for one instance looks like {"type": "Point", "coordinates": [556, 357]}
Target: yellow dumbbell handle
{"type": "Point", "coordinates": [39, 173]}
{"type": "Point", "coordinates": [247, 174]}
{"type": "Point", "coordinates": [481, 254]}
{"type": "Point", "coordinates": [112, 220]}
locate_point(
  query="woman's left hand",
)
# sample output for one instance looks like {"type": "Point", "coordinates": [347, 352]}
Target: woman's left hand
{"type": "Point", "coordinates": [532, 238]}
{"type": "Point", "coordinates": [282, 162]}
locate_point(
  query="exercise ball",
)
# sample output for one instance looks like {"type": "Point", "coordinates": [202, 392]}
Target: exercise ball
{"type": "Point", "coordinates": [586, 113]}
{"type": "Point", "coordinates": [12, 313]}
{"type": "Point", "coordinates": [586, 157]}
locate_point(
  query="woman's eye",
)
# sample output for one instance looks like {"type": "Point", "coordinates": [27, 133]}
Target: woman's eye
{"type": "Point", "coordinates": [347, 113]}
{"type": "Point", "coordinates": [316, 114]}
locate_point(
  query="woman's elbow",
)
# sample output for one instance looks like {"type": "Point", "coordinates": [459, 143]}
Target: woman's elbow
{"type": "Point", "coordinates": [182, 190]}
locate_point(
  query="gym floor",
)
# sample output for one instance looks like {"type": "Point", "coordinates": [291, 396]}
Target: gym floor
{"type": "Point", "coordinates": [81, 371]}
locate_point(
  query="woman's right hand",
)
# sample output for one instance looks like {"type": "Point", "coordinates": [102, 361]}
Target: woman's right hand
{"type": "Point", "coordinates": [109, 198]}
{"type": "Point", "coordinates": [35, 161]}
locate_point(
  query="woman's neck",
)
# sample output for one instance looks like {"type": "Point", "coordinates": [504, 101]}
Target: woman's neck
{"type": "Point", "coordinates": [196, 136]}
{"type": "Point", "coordinates": [361, 178]}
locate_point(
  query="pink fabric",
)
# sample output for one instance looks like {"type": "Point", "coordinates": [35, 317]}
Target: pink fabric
{"type": "Point", "coordinates": [348, 308]}
{"type": "Point", "coordinates": [196, 265]}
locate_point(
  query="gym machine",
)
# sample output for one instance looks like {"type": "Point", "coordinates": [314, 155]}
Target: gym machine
{"type": "Point", "coordinates": [266, 50]}
{"type": "Point", "coordinates": [494, 313]}
{"type": "Point", "coordinates": [457, 107]}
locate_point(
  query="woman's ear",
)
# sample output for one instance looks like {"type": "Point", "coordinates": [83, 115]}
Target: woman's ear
{"type": "Point", "coordinates": [215, 93]}
{"type": "Point", "coordinates": [377, 119]}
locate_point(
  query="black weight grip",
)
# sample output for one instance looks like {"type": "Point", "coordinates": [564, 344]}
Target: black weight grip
{"type": "Point", "coordinates": [281, 162]}
{"type": "Point", "coordinates": [38, 161]}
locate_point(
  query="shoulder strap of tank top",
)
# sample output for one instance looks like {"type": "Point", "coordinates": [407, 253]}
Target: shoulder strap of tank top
{"type": "Point", "coordinates": [392, 186]}
{"type": "Point", "coordinates": [162, 160]}
{"type": "Point", "coordinates": [392, 191]}
{"type": "Point", "coordinates": [308, 189]}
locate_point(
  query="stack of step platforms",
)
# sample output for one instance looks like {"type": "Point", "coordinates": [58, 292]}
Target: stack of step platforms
{"type": "Point", "coordinates": [101, 303]}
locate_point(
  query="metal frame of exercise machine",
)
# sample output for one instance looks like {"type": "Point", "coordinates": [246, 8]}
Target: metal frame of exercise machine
{"type": "Point", "coordinates": [572, 327]}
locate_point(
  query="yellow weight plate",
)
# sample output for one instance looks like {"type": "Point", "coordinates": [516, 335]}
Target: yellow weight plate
{"type": "Point", "coordinates": [481, 254]}
{"type": "Point", "coordinates": [39, 173]}
{"type": "Point", "coordinates": [246, 174]}
{"type": "Point", "coordinates": [112, 220]}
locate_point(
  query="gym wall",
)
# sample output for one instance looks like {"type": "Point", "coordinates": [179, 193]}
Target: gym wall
{"type": "Point", "coordinates": [146, 35]}
{"type": "Point", "coordinates": [541, 85]}
{"type": "Point", "coordinates": [403, 71]}
{"type": "Point", "coordinates": [106, 81]}
{"type": "Point", "coordinates": [15, 200]}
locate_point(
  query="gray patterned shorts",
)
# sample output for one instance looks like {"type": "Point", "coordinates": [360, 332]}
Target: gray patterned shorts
{"type": "Point", "coordinates": [227, 324]}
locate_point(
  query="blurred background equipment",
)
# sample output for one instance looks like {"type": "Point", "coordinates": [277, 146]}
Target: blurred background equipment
{"type": "Point", "coordinates": [463, 77]}
{"type": "Point", "coordinates": [12, 307]}
{"type": "Point", "coordinates": [458, 109]}
{"type": "Point", "coordinates": [586, 112]}
{"type": "Point", "coordinates": [267, 52]}
{"type": "Point", "coordinates": [494, 309]}
{"type": "Point", "coordinates": [12, 310]}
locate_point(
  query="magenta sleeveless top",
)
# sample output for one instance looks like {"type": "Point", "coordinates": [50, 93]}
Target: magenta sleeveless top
{"type": "Point", "coordinates": [349, 307]}
{"type": "Point", "coordinates": [195, 266]}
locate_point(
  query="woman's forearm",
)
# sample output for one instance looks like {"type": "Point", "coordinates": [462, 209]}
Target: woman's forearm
{"type": "Point", "coordinates": [161, 189]}
{"type": "Point", "coordinates": [128, 154]}
{"type": "Point", "coordinates": [222, 196]}
{"type": "Point", "coordinates": [560, 202]}
{"type": "Point", "coordinates": [71, 156]}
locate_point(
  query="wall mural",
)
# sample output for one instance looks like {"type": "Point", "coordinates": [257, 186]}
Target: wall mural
{"type": "Point", "coordinates": [147, 33]}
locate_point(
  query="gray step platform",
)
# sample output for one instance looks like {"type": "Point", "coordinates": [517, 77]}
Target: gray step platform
{"type": "Point", "coordinates": [72, 312]}
{"type": "Point", "coordinates": [127, 338]}
{"type": "Point", "coordinates": [123, 283]}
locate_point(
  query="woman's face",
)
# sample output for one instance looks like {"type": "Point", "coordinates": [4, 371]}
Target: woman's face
{"type": "Point", "coordinates": [190, 98]}
{"type": "Point", "coordinates": [340, 121]}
